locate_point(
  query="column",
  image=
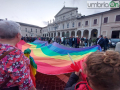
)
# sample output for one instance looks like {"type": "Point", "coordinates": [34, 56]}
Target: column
{"type": "Point", "coordinates": [53, 35]}
{"type": "Point", "coordinates": [60, 34]}
{"type": "Point", "coordinates": [91, 22]}
{"type": "Point", "coordinates": [82, 33]}
{"type": "Point", "coordinates": [69, 33]}
{"type": "Point", "coordinates": [56, 33]}
{"type": "Point", "coordinates": [98, 34]}
{"type": "Point", "coordinates": [75, 33]}
{"type": "Point", "coordinates": [89, 34]}
{"type": "Point", "coordinates": [65, 33]}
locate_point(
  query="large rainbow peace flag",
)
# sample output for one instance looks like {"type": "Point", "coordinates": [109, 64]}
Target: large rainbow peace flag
{"type": "Point", "coordinates": [53, 59]}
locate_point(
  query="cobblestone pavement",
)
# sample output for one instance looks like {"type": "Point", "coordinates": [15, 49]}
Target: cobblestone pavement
{"type": "Point", "coordinates": [49, 82]}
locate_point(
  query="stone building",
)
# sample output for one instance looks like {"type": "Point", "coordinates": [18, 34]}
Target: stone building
{"type": "Point", "coordinates": [64, 24]}
{"type": "Point", "coordinates": [29, 30]}
{"type": "Point", "coordinates": [69, 23]}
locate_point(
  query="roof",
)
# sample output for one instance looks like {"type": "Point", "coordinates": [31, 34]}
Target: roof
{"type": "Point", "coordinates": [25, 24]}
{"type": "Point", "coordinates": [70, 9]}
{"type": "Point", "coordinates": [1, 19]}
{"type": "Point", "coordinates": [100, 13]}
{"type": "Point", "coordinates": [44, 27]}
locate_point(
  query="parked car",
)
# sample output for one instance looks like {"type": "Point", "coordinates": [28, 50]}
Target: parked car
{"type": "Point", "coordinates": [114, 42]}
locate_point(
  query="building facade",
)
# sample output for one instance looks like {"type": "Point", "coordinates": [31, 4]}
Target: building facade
{"type": "Point", "coordinates": [64, 23]}
{"type": "Point", "coordinates": [45, 31]}
{"type": "Point", "coordinates": [29, 30]}
{"type": "Point", "coordinates": [69, 23]}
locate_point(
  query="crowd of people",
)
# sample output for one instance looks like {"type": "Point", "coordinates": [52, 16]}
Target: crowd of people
{"type": "Point", "coordinates": [103, 42]}
{"type": "Point", "coordinates": [29, 39]}
{"type": "Point", "coordinates": [74, 41]}
{"type": "Point", "coordinates": [102, 69]}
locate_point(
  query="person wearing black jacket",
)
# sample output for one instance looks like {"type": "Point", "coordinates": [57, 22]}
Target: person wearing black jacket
{"type": "Point", "coordinates": [106, 41]}
{"type": "Point", "coordinates": [101, 72]}
{"type": "Point", "coordinates": [75, 42]}
{"type": "Point", "coordinates": [100, 41]}
{"type": "Point", "coordinates": [73, 80]}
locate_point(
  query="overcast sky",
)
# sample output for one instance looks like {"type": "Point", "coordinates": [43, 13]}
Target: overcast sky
{"type": "Point", "coordinates": [39, 12]}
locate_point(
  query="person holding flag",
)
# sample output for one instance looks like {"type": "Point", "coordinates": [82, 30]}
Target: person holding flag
{"type": "Point", "coordinates": [101, 72]}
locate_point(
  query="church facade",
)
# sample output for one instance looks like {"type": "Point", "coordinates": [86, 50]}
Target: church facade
{"type": "Point", "coordinates": [68, 22]}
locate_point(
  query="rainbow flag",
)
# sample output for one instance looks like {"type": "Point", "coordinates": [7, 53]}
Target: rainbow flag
{"type": "Point", "coordinates": [53, 59]}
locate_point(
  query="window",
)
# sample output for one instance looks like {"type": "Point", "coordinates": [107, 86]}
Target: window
{"type": "Point", "coordinates": [118, 18]}
{"type": "Point", "coordinates": [105, 19]}
{"type": "Point", "coordinates": [26, 34]}
{"type": "Point", "coordinates": [36, 30]}
{"type": "Point", "coordinates": [68, 25]}
{"type": "Point", "coordinates": [40, 31]}
{"type": "Point", "coordinates": [79, 24]}
{"type": "Point", "coordinates": [73, 24]}
{"type": "Point", "coordinates": [31, 29]}
{"type": "Point", "coordinates": [86, 23]}
{"type": "Point", "coordinates": [26, 29]}
{"type": "Point", "coordinates": [63, 26]}
{"type": "Point", "coordinates": [95, 21]}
